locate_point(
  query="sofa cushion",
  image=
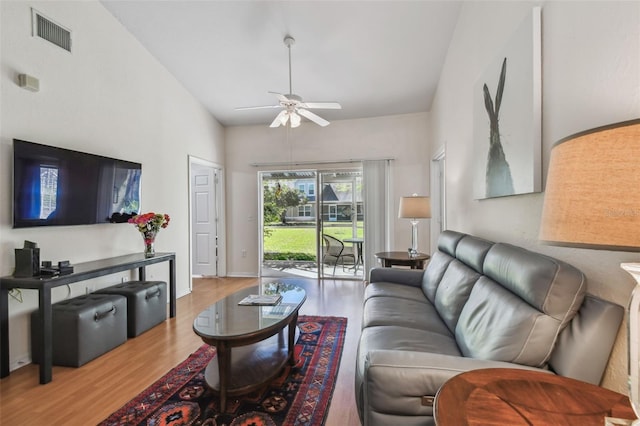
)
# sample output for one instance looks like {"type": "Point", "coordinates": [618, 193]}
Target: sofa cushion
{"type": "Point", "coordinates": [400, 312]}
{"type": "Point", "coordinates": [453, 292]}
{"type": "Point", "coordinates": [472, 251]}
{"type": "Point", "coordinates": [382, 289]}
{"type": "Point", "coordinates": [448, 241]}
{"type": "Point", "coordinates": [433, 274]}
{"type": "Point", "coordinates": [551, 286]}
{"type": "Point", "coordinates": [497, 325]}
{"type": "Point", "coordinates": [404, 339]}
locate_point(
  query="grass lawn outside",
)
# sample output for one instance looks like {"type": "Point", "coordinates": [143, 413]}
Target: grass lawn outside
{"type": "Point", "coordinates": [302, 239]}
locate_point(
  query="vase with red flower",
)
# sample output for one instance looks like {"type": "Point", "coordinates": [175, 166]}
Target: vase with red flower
{"type": "Point", "coordinates": [149, 224]}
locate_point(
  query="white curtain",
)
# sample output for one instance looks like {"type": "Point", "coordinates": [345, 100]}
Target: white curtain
{"type": "Point", "coordinates": [377, 207]}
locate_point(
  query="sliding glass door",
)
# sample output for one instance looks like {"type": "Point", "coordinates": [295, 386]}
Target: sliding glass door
{"type": "Point", "coordinates": [312, 223]}
{"type": "Point", "coordinates": [288, 231]}
{"type": "Point", "coordinates": [340, 223]}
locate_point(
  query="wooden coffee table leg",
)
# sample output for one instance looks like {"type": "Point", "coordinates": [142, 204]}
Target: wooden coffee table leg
{"type": "Point", "coordinates": [224, 371]}
{"type": "Point", "coordinates": [292, 337]}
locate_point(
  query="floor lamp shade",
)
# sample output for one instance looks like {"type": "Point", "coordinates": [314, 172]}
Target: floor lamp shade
{"type": "Point", "coordinates": [414, 208]}
{"type": "Point", "coordinates": [592, 200]}
{"type": "Point", "coordinates": [591, 196]}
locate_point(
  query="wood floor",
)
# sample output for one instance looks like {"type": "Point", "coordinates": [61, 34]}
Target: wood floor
{"type": "Point", "coordinates": [87, 395]}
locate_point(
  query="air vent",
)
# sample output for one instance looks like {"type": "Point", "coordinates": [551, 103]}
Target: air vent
{"type": "Point", "coordinates": [46, 29]}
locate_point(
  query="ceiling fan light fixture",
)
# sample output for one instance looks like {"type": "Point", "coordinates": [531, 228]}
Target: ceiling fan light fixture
{"type": "Point", "coordinates": [283, 119]}
{"type": "Point", "coordinates": [295, 120]}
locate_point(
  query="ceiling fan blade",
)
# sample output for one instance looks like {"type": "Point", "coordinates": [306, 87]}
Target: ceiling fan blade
{"type": "Point", "coordinates": [257, 107]}
{"type": "Point", "coordinates": [281, 97]}
{"type": "Point", "coordinates": [279, 119]}
{"type": "Point", "coordinates": [313, 117]}
{"type": "Point", "coordinates": [323, 105]}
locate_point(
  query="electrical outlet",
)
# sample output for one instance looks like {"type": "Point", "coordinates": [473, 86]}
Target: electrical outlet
{"type": "Point", "coordinates": [124, 279]}
{"type": "Point", "coordinates": [244, 253]}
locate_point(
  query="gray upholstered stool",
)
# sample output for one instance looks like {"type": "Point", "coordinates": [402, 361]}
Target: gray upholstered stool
{"type": "Point", "coordinates": [146, 304]}
{"type": "Point", "coordinates": [84, 328]}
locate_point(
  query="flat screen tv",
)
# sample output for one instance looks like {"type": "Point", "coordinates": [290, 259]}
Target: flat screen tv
{"type": "Point", "coordinates": [56, 187]}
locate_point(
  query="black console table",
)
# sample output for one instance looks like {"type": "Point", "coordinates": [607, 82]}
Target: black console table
{"type": "Point", "coordinates": [82, 272]}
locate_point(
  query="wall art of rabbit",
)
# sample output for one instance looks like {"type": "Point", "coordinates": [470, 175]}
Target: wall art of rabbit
{"type": "Point", "coordinates": [498, 174]}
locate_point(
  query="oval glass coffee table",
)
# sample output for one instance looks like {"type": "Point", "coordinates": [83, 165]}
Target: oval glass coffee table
{"type": "Point", "coordinates": [256, 334]}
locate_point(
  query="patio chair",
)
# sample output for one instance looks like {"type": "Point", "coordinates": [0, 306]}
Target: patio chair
{"type": "Point", "coordinates": [334, 250]}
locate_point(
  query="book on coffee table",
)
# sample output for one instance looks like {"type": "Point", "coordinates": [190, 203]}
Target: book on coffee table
{"type": "Point", "coordinates": [261, 299]}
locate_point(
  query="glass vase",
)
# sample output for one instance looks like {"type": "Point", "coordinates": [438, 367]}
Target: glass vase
{"type": "Point", "coordinates": [149, 238]}
{"type": "Point", "coordinates": [149, 250]}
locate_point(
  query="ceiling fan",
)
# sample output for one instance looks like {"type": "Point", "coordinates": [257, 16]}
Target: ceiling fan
{"type": "Point", "coordinates": [292, 105]}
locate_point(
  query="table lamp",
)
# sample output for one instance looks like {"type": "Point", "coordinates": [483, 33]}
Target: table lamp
{"type": "Point", "coordinates": [414, 207]}
{"type": "Point", "coordinates": [592, 201]}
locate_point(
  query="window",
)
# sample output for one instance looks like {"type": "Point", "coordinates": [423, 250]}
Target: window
{"type": "Point", "coordinates": [301, 188]}
{"type": "Point", "coordinates": [304, 210]}
{"type": "Point", "coordinates": [312, 189]}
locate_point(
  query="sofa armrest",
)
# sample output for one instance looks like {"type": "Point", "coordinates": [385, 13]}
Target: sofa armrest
{"type": "Point", "coordinates": [397, 381]}
{"type": "Point", "coordinates": [412, 277]}
{"type": "Point", "coordinates": [583, 348]}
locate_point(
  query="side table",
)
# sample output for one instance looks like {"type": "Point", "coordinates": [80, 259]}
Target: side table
{"type": "Point", "coordinates": [402, 258]}
{"type": "Point", "coordinates": [357, 242]}
{"type": "Point", "coordinates": [505, 396]}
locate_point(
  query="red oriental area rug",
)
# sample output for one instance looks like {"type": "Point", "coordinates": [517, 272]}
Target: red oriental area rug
{"type": "Point", "coordinates": [299, 396]}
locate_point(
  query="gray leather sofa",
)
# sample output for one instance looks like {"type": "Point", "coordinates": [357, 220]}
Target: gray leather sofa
{"type": "Point", "coordinates": [478, 304]}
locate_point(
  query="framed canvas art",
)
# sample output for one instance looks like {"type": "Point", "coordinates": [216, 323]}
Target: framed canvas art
{"type": "Point", "coordinates": [507, 117]}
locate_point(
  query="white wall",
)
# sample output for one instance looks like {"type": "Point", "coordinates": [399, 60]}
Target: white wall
{"type": "Point", "coordinates": [401, 137]}
{"type": "Point", "coordinates": [108, 97]}
{"type": "Point", "coordinates": [591, 77]}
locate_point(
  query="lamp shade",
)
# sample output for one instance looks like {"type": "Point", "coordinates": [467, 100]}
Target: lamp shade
{"type": "Point", "coordinates": [592, 197]}
{"type": "Point", "coordinates": [414, 207]}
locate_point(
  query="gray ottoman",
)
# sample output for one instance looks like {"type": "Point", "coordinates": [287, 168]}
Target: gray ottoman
{"type": "Point", "coordinates": [84, 328]}
{"type": "Point", "coordinates": [146, 304]}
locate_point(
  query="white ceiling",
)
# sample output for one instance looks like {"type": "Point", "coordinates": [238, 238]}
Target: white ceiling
{"type": "Point", "coordinates": [374, 57]}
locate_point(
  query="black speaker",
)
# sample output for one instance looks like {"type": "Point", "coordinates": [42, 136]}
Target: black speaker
{"type": "Point", "coordinates": [27, 262]}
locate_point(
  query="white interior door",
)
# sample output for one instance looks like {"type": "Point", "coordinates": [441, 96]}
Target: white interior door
{"type": "Point", "coordinates": [204, 235]}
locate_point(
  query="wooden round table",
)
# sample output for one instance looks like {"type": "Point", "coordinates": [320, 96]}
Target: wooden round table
{"type": "Point", "coordinates": [503, 396]}
{"type": "Point", "coordinates": [402, 258]}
